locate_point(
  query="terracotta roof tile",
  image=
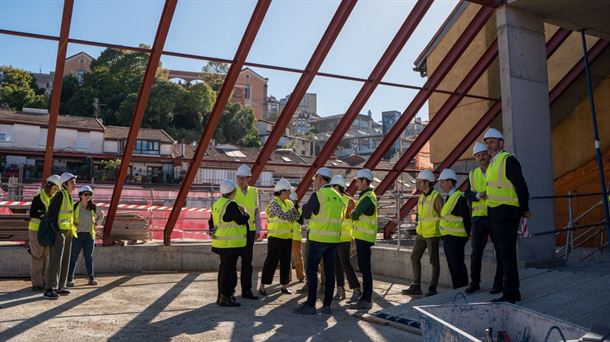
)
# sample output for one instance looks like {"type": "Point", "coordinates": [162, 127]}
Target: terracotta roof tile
{"type": "Point", "coordinates": [63, 121]}
{"type": "Point", "coordinates": [117, 133]}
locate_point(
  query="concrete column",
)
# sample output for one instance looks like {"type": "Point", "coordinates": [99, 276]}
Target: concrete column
{"type": "Point", "coordinates": [526, 120]}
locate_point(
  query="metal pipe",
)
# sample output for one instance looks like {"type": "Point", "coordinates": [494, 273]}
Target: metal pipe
{"type": "Point", "coordinates": [598, 153]}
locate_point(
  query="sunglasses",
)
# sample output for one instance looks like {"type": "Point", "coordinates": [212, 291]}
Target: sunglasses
{"type": "Point", "coordinates": [87, 194]}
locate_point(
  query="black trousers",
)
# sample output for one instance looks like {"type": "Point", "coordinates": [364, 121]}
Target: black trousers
{"type": "Point", "coordinates": [505, 232]}
{"type": "Point", "coordinates": [246, 264]}
{"type": "Point", "coordinates": [363, 249]}
{"type": "Point", "coordinates": [278, 251]}
{"type": "Point", "coordinates": [454, 253]}
{"type": "Point", "coordinates": [227, 271]}
{"type": "Point", "coordinates": [344, 268]}
{"type": "Point", "coordinates": [481, 232]}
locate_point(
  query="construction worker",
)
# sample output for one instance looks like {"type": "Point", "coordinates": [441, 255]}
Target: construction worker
{"type": "Point", "coordinates": [229, 228]}
{"type": "Point", "coordinates": [86, 216]}
{"type": "Point", "coordinates": [247, 197]}
{"type": "Point", "coordinates": [39, 254]}
{"type": "Point", "coordinates": [507, 201]}
{"type": "Point", "coordinates": [60, 217]}
{"type": "Point", "coordinates": [325, 212]}
{"type": "Point", "coordinates": [297, 240]}
{"type": "Point", "coordinates": [481, 227]}
{"type": "Point", "coordinates": [455, 227]}
{"type": "Point", "coordinates": [343, 265]}
{"type": "Point", "coordinates": [281, 215]}
{"type": "Point", "coordinates": [364, 218]}
{"type": "Point", "coordinates": [428, 237]}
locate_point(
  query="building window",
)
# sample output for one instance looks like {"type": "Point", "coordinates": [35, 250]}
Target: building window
{"type": "Point", "coordinates": [42, 137]}
{"type": "Point", "coordinates": [5, 138]}
{"type": "Point", "coordinates": [82, 140]}
{"type": "Point", "coordinates": [147, 147]}
{"type": "Point", "coordinates": [80, 76]}
{"type": "Point", "coordinates": [247, 96]}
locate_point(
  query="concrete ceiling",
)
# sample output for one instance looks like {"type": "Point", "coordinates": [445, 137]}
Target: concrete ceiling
{"type": "Point", "coordinates": [591, 15]}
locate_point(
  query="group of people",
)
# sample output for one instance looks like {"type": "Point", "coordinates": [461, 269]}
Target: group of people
{"type": "Point", "coordinates": [52, 268]}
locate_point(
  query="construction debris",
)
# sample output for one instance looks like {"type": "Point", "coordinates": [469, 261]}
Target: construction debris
{"type": "Point", "coordinates": [128, 226]}
{"type": "Point", "coordinates": [14, 227]}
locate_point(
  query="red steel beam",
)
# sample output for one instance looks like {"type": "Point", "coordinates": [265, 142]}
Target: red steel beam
{"type": "Point", "coordinates": [223, 96]}
{"type": "Point", "coordinates": [390, 54]}
{"type": "Point", "coordinates": [136, 121]}
{"type": "Point", "coordinates": [493, 112]}
{"type": "Point", "coordinates": [58, 79]}
{"type": "Point", "coordinates": [437, 120]}
{"type": "Point", "coordinates": [456, 51]}
{"type": "Point", "coordinates": [319, 54]}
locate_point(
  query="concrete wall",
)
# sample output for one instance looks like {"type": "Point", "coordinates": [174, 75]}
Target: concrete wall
{"type": "Point", "coordinates": [111, 146]}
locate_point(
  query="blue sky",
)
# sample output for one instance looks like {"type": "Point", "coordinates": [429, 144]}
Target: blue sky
{"type": "Point", "coordinates": [288, 36]}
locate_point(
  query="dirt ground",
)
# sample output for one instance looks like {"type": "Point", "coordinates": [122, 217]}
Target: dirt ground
{"type": "Point", "coordinates": [181, 307]}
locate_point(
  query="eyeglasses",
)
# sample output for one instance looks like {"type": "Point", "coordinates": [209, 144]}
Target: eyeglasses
{"type": "Point", "coordinates": [88, 194]}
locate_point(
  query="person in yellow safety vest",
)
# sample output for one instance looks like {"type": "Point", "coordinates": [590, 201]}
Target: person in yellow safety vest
{"type": "Point", "coordinates": [297, 240]}
{"type": "Point", "coordinates": [428, 234]}
{"type": "Point", "coordinates": [60, 215]}
{"type": "Point", "coordinates": [507, 201]}
{"type": "Point", "coordinates": [281, 215]}
{"type": "Point", "coordinates": [86, 216]}
{"type": "Point", "coordinates": [481, 227]}
{"type": "Point", "coordinates": [454, 227]}
{"type": "Point", "coordinates": [229, 229]}
{"type": "Point", "coordinates": [39, 254]}
{"type": "Point", "coordinates": [365, 222]}
{"type": "Point", "coordinates": [247, 197]}
{"type": "Point", "coordinates": [325, 213]}
{"type": "Point", "coordinates": [343, 264]}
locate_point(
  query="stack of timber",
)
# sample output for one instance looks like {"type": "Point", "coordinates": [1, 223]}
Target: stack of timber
{"type": "Point", "coordinates": [14, 227]}
{"type": "Point", "coordinates": [128, 226]}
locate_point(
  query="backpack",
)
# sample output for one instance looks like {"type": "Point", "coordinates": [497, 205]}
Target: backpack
{"type": "Point", "coordinates": [46, 234]}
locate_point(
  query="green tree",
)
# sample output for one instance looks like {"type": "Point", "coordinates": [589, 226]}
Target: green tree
{"type": "Point", "coordinates": [236, 123]}
{"type": "Point", "coordinates": [214, 74]}
{"type": "Point", "coordinates": [193, 105]}
{"type": "Point", "coordinates": [18, 89]}
{"type": "Point", "coordinates": [252, 140]}
{"type": "Point", "coordinates": [69, 89]}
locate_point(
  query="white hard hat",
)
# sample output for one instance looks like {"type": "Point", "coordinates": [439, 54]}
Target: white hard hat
{"type": "Point", "coordinates": [365, 173]}
{"type": "Point", "coordinates": [426, 175]}
{"type": "Point", "coordinates": [66, 176]}
{"type": "Point", "coordinates": [294, 196]}
{"type": "Point", "coordinates": [324, 172]}
{"type": "Point", "coordinates": [493, 133]}
{"type": "Point", "coordinates": [85, 188]}
{"type": "Point", "coordinates": [338, 180]}
{"type": "Point", "coordinates": [55, 179]}
{"type": "Point", "coordinates": [243, 171]}
{"type": "Point", "coordinates": [447, 174]}
{"type": "Point", "coordinates": [282, 184]}
{"type": "Point", "coordinates": [227, 186]}
{"type": "Point", "coordinates": [478, 148]}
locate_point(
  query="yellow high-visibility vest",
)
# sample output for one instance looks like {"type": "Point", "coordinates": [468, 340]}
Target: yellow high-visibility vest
{"type": "Point", "coordinates": [66, 213]}
{"type": "Point", "coordinates": [451, 224]}
{"type": "Point", "coordinates": [427, 218]}
{"type": "Point", "coordinates": [347, 223]}
{"type": "Point", "coordinates": [34, 223]}
{"type": "Point", "coordinates": [250, 202]}
{"type": "Point", "coordinates": [277, 227]}
{"type": "Point", "coordinates": [326, 225]}
{"type": "Point", "coordinates": [227, 234]}
{"type": "Point", "coordinates": [500, 191]}
{"type": "Point", "coordinates": [365, 227]}
{"type": "Point", "coordinates": [478, 184]}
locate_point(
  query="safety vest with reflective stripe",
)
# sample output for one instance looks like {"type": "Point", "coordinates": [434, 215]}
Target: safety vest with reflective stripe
{"type": "Point", "coordinates": [227, 234]}
{"type": "Point", "coordinates": [76, 219]}
{"type": "Point", "coordinates": [326, 225]}
{"type": "Point", "coordinates": [66, 213]}
{"type": "Point", "coordinates": [477, 184]}
{"type": "Point", "coordinates": [427, 218]}
{"type": "Point", "coordinates": [46, 200]}
{"type": "Point", "coordinates": [277, 227]}
{"type": "Point", "coordinates": [250, 202]}
{"type": "Point", "coordinates": [500, 191]}
{"type": "Point", "coordinates": [365, 227]}
{"type": "Point", "coordinates": [451, 224]}
{"type": "Point", "coordinates": [347, 223]}
{"type": "Point", "coordinates": [296, 229]}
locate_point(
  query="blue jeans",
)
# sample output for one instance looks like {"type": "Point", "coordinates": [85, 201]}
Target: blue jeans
{"type": "Point", "coordinates": [318, 251]}
{"type": "Point", "coordinates": [363, 250]}
{"type": "Point", "coordinates": [86, 243]}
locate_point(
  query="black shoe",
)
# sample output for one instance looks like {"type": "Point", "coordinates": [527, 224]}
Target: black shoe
{"type": "Point", "coordinates": [62, 292]}
{"type": "Point", "coordinates": [356, 294]}
{"type": "Point", "coordinates": [249, 295]}
{"type": "Point", "coordinates": [506, 298]}
{"type": "Point", "coordinates": [286, 291]}
{"type": "Point", "coordinates": [326, 310]}
{"type": "Point", "coordinates": [50, 294]}
{"type": "Point", "coordinates": [227, 302]}
{"type": "Point", "coordinates": [305, 310]}
{"type": "Point", "coordinates": [472, 288]}
{"type": "Point", "coordinates": [362, 305]}
{"type": "Point", "coordinates": [431, 292]}
{"type": "Point", "coordinates": [38, 288]}
{"type": "Point", "coordinates": [495, 291]}
{"type": "Point", "coordinates": [262, 292]}
{"type": "Point", "coordinates": [302, 289]}
{"type": "Point", "coordinates": [412, 290]}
